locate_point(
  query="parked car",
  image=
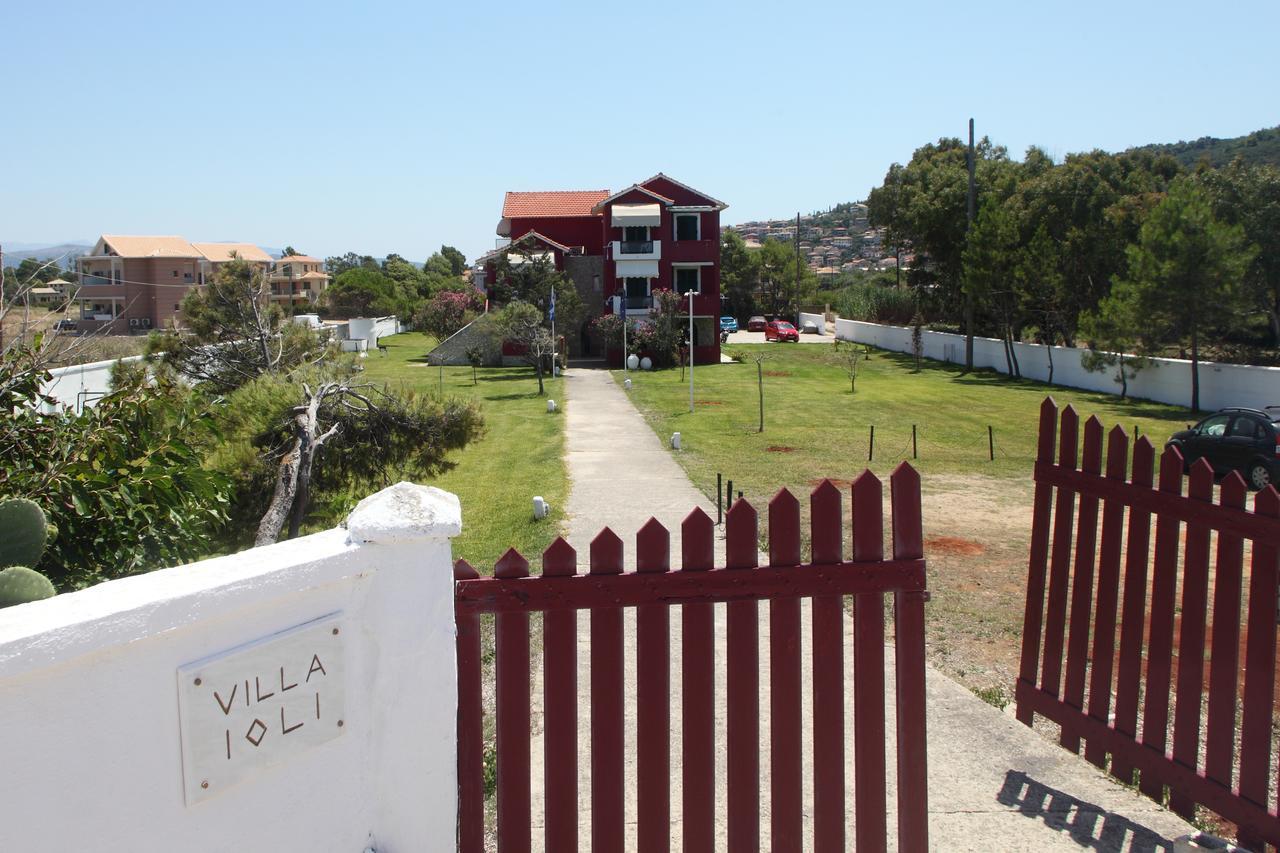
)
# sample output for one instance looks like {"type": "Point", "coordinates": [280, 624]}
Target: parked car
{"type": "Point", "coordinates": [728, 324]}
{"type": "Point", "coordinates": [65, 326]}
{"type": "Point", "coordinates": [756, 324]}
{"type": "Point", "coordinates": [781, 330]}
{"type": "Point", "coordinates": [1236, 439]}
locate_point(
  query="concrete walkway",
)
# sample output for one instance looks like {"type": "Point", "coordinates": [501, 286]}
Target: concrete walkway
{"type": "Point", "coordinates": [993, 783]}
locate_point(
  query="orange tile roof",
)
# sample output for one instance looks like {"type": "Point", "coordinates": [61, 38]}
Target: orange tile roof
{"type": "Point", "coordinates": [131, 246]}
{"type": "Point", "coordinates": [219, 252]}
{"type": "Point", "coordinates": [552, 203]}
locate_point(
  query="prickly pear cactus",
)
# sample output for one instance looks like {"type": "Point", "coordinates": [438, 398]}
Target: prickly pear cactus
{"type": "Point", "coordinates": [18, 585]}
{"type": "Point", "coordinates": [23, 532]}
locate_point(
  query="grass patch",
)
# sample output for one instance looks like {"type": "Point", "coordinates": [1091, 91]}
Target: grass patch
{"type": "Point", "coordinates": [520, 455]}
{"type": "Point", "coordinates": [977, 512]}
{"type": "Point", "coordinates": [997, 697]}
{"type": "Point", "coordinates": [812, 410]}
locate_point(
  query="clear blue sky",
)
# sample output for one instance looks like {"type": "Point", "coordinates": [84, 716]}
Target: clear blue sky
{"type": "Point", "coordinates": [381, 127]}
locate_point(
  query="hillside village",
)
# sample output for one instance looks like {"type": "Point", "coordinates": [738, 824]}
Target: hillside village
{"type": "Point", "coordinates": [839, 240]}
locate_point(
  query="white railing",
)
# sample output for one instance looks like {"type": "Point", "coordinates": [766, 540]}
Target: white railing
{"type": "Point", "coordinates": [637, 250]}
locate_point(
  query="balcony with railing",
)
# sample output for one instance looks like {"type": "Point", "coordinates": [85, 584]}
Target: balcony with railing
{"type": "Point", "coordinates": [637, 250]}
{"type": "Point", "coordinates": [641, 304]}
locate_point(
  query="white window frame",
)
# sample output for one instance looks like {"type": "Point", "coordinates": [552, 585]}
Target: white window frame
{"type": "Point", "coordinates": [675, 226]}
{"type": "Point", "coordinates": [675, 278]}
{"type": "Point", "coordinates": [648, 284]}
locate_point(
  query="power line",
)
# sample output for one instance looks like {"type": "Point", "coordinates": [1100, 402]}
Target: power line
{"type": "Point", "coordinates": [188, 284]}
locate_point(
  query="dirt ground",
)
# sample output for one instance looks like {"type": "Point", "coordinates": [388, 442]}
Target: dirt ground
{"type": "Point", "coordinates": [977, 532]}
{"type": "Point", "coordinates": [977, 538]}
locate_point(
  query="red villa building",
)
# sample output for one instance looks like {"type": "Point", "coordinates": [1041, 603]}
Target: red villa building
{"type": "Point", "coordinates": [652, 235]}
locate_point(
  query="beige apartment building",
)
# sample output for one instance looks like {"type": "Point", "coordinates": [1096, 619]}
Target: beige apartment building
{"type": "Point", "coordinates": [131, 284]}
{"type": "Point", "coordinates": [298, 280]}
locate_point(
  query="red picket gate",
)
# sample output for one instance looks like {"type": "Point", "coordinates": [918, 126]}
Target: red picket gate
{"type": "Point", "coordinates": [1170, 668]}
{"type": "Point", "coordinates": [654, 590]}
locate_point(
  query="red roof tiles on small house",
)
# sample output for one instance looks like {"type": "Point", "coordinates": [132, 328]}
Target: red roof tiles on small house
{"type": "Point", "coordinates": [528, 236]}
{"type": "Point", "coordinates": [552, 203]}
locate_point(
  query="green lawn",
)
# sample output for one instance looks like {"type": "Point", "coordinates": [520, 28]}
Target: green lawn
{"type": "Point", "coordinates": [814, 426]}
{"type": "Point", "coordinates": [977, 512]}
{"type": "Point", "coordinates": [520, 455]}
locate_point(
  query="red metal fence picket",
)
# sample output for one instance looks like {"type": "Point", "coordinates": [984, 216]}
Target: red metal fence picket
{"type": "Point", "coordinates": [653, 589]}
{"type": "Point", "coordinates": [1069, 566]}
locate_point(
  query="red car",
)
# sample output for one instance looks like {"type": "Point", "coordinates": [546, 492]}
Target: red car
{"type": "Point", "coordinates": [781, 330]}
{"type": "Point", "coordinates": [756, 324]}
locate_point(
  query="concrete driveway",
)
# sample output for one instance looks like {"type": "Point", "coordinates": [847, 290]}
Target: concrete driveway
{"type": "Point", "coordinates": [994, 784]}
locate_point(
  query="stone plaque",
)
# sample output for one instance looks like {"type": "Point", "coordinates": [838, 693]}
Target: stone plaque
{"type": "Point", "coordinates": [260, 704]}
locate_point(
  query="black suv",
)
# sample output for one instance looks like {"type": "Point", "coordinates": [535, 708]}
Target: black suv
{"type": "Point", "coordinates": [1236, 439]}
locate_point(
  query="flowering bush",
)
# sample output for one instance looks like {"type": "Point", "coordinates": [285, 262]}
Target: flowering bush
{"type": "Point", "coordinates": [448, 311]}
{"type": "Point", "coordinates": [659, 336]}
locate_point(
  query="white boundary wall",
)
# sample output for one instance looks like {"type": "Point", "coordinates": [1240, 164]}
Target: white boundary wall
{"type": "Point", "coordinates": [91, 740]}
{"type": "Point", "coordinates": [81, 385]}
{"type": "Point", "coordinates": [78, 386]}
{"type": "Point", "coordinates": [1166, 380]}
{"type": "Point", "coordinates": [817, 319]}
{"type": "Point", "coordinates": [372, 328]}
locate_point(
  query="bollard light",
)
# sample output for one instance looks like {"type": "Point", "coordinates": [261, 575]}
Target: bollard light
{"type": "Point", "coordinates": [675, 441]}
{"type": "Point", "coordinates": [540, 507]}
{"type": "Point", "coordinates": [551, 406]}
{"type": "Point", "coordinates": [626, 383]}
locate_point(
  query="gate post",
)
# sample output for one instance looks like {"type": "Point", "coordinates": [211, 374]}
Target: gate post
{"type": "Point", "coordinates": [401, 540]}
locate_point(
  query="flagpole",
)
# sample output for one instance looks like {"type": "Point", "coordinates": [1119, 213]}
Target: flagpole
{"type": "Point", "coordinates": [554, 362]}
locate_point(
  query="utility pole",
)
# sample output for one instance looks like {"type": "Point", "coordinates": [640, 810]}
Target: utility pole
{"type": "Point", "coordinates": [797, 290]}
{"type": "Point", "coordinates": [968, 297]}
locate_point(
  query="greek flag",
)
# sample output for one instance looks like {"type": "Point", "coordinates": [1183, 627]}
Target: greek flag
{"type": "Point", "coordinates": [553, 303]}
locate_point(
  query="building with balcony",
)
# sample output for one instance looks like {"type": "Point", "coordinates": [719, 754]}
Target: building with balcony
{"type": "Point", "coordinates": [132, 284]}
{"type": "Point", "coordinates": [298, 280]}
{"type": "Point", "coordinates": [619, 248]}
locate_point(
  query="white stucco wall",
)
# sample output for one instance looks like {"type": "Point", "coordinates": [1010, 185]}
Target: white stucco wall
{"type": "Point", "coordinates": [372, 328]}
{"type": "Point", "coordinates": [817, 319]}
{"type": "Point", "coordinates": [91, 738]}
{"type": "Point", "coordinates": [81, 385]}
{"type": "Point", "coordinates": [1167, 380]}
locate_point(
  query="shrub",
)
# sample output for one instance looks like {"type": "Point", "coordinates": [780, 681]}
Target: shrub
{"type": "Point", "coordinates": [123, 482]}
{"type": "Point", "coordinates": [447, 312]}
{"type": "Point", "coordinates": [876, 303]}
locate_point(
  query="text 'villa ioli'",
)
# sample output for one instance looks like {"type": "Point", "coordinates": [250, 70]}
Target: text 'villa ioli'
{"type": "Point", "coordinates": [259, 705]}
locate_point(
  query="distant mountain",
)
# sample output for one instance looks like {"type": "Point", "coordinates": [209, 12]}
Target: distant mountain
{"type": "Point", "coordinates": [65, 253]}
{"type": "Point", "coordinates": [1259, 147]}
